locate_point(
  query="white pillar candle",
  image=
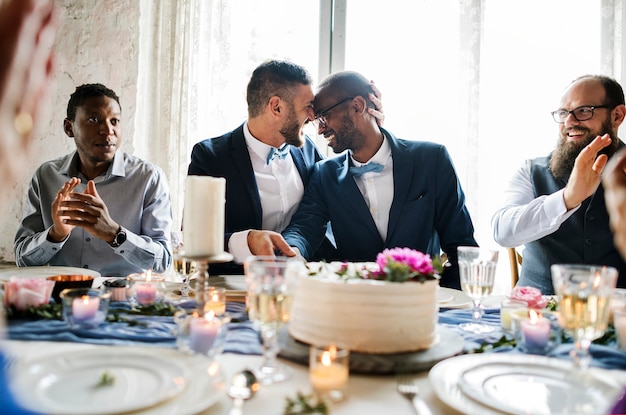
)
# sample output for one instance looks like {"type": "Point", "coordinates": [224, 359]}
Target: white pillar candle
{"type": "Point", "coordinates": [203, 217]}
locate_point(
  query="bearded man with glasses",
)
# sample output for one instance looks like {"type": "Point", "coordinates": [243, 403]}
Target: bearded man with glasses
{"type": "Point", "coordinates": [555, 205]}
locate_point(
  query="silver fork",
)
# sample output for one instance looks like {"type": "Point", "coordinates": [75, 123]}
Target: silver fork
{"type": "Point", "coordinates": [410, 390]}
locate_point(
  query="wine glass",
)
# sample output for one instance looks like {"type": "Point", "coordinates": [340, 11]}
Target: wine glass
{"type": "Point", "coordinates": [271, 283]}
{"type": "Point", "coordinates": [584, 293]}
{"type": "Point", "coordinates": [477, 269]}
{"type": "Point", "coordinates": [184, 268]}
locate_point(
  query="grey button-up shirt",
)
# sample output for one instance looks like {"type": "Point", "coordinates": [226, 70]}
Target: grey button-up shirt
{"type": "Point", "coordinates": [137, 197]}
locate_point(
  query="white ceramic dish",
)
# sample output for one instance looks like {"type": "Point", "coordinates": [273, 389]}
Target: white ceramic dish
{"type": "Point", "coordinates": [68, 383]}
{"type": "Point", "coordinates": [556, 390]}
{"type": "Point", "coordinates": [459, 298]}
{"type": "Point", "coordinates": [43, 272]}
{"type": "Point", "coordinates": [493, 384]}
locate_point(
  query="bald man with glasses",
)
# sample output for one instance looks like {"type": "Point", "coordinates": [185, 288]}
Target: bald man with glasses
{"type": "Point", "coordinates": [555, 204]}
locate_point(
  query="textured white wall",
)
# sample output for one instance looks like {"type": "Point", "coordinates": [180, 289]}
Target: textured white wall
{"type": "Point", "coordinates": [98, 41]}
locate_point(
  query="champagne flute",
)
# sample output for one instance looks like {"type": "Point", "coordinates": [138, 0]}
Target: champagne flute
{"type": "Point", "coordinates": [183, 267]}
{"type": "Point", "coordinates": [271, 283]}
{"type": "Point", "coordinates": [584, 293]}
{"type": "Point", "coordinates": [477, 269]}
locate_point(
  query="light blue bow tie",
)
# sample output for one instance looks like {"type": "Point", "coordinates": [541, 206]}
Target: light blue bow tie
{"type": "Point", "coordinates": [277, 153]}
{"type": "Point", "coordinates": [366, 168]}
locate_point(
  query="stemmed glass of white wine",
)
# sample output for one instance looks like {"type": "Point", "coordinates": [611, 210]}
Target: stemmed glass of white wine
{"type": "Point", "coordinates": [183, 267]}
{"type": "Point", "coordinates": [271, 284]}
{"type": "Point", "coordinates": [584, 293]}
{"type": "Point", "coordinates": [477, 269]}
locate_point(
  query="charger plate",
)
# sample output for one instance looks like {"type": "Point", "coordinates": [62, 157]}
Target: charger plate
{"type": "Point", "coordinates": [520, 384]}
{"type": "Point", "coordinates": [203, 385]}
{"type": "Point", "coordinates": [69, 383]}
{"type": "Point", "coordinates": [449, 344]}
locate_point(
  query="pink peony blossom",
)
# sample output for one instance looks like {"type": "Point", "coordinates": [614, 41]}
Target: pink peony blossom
{"type": "Point", "coordinates": [415, 260]}
{"type": "Point", "coordinates": [530, 295]}
{"type": "Point", "coordinates": [26, 292]}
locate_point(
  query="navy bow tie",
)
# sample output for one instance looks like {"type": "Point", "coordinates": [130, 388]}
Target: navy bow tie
{"type": "Point", "coordinates": [366, 168]}
{"type": "Point", "coordinates": [277, 153]}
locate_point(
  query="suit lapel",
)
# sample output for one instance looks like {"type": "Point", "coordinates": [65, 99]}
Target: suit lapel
{"type": "Point", "coordinates": [298, 160]}
{"type": "Point", "coordinates": [241, 157]}
{"type": "Point", "coordinates": [402, 177]}
{"type": "Point", "coordinates": [352, 198]}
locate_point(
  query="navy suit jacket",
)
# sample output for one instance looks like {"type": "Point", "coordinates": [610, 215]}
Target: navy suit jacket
{"type": "Point", "coordinates": [227, 156]}
{"type": "Point", "coordinates": [427, 213]}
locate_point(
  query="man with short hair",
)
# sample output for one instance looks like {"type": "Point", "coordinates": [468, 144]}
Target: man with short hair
{"type": "Point", "coordinates": [98, 207]}
{"type": "Point", "coordinates": [267, 161]}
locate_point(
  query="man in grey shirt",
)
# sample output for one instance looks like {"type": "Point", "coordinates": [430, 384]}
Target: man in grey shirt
{"type": "Point", "coordinates": [98, 207]}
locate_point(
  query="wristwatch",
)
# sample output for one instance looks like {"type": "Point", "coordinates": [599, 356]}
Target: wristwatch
{"type": "Point", "coordinates": [120, 238]}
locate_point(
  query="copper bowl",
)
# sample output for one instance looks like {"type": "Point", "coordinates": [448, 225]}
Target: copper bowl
{"type": "Point", "coordinates": [62, 282]}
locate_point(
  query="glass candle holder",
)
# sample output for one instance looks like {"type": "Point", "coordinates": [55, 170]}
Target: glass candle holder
{"type": "Point", "coordinates": [329, 368]}
{"type": "Point", "coordinates": [508, 308]}
{"type": "Point", "coordinates": [538, 332]}
{"type": "Point", "coordinates": [118, 288]}
{"type": "Point", "coordinates": [201, 334]}
{"type": "Point", "coordinates": [619, 321]}
{"type": "Point", "coordinates": [146, 289]}
{"type": "Point", "coordinates": [215, 300]}
{"type": "Point", "coordinates": [84, 307]}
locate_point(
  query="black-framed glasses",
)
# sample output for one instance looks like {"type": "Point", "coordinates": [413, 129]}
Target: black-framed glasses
{"type": "Point", "coordinates": [320, 117]}
{"type": "Point", "coordinates": [583, 113]}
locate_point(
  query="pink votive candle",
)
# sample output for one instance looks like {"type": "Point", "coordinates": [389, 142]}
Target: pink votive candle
{"type": "Point", "coordinates": [85, 308]}
{"type": "Point", "coordinates": [145, 293]}
{"type": "Point", "coordinates": [535, 332]}
{"type": "Point", "coordinates": [202, 333]}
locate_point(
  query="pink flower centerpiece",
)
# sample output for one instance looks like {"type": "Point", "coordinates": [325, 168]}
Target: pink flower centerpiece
{"type": "Point", "coordinates": [529, 295]}
{"type": "Point", "coordinates": [396, 265]}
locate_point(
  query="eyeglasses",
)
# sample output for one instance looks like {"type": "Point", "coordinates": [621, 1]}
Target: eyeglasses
{"type": "Point", "coordinates": [583, 113]}
{"type": "Point", "coordinates": [320, 118]}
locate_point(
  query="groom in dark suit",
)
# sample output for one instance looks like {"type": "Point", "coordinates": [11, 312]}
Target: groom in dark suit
{"type": "Point", "coordinates": [383, 192]}
{"type": "Point", "coordinates": [266, 161]}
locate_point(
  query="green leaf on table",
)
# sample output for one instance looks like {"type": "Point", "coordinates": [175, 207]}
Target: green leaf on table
{"type": "Point", "coordinates": [305, 404]}
{"type": "Point", "coordinates": [106, 379]}
{"type": "Point", "coordinates": [51, 311]}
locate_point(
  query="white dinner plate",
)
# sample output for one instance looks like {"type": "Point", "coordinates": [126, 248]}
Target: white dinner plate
{"type": "Point", "coordinates": [444, 297]}
{"type": "Point", "coordinates": [67, 383]}
{"type": "Point", "coordinates": [538, 383]}
{"type": "Point", "coordinates": [556, 390]}
{"type": "Point", "coordinates": [459, 298]}
{"type": "Point", "coordinates": [43, 272]}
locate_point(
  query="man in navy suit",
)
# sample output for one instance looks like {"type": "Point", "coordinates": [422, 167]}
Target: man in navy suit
{"type": "Point", "coordinates": [266, 161]}
{"type": "Point", "coordinates": [383, 192]}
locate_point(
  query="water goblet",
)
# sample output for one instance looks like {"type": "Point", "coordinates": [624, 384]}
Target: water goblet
{"type": "Point", "coordinates": [584, 296]}
{"type": "Point", "coordinates": [271, 283]}
{"type": "Point", "coordinates": [183, 267]}
{"type": "Point", "coordinates": [477, 269]}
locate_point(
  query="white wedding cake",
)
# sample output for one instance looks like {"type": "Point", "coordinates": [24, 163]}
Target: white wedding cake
{"type": "Point", "coordinates": [364, 315]}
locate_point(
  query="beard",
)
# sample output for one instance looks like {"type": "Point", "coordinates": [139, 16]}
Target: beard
{"type": "Point", "coordinates": [347, 137]}
{"type": "Point", "coordinates": [564, 156]}
{"type": "Point", "coordinates": [292, 130]}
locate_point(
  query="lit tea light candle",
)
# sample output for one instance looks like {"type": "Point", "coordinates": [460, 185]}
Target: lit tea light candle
{"type": "Point", "coordinates": [146, 292]}
{"type": "Point", "coordinates": [85, 308]}
{"type": "Point", "coordinates": [202, 333]}
{"type": "Point", "coordinates": [329, 371]}
{"type": "Point", "coordinates": [535, 331]}
{"type": "Point", "coordinates": [215, 301]}
{"type": "Point", "coordinates": [509, 308]}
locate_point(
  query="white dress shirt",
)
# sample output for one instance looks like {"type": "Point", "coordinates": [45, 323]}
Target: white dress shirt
{"type": "Point", "coordinates": [377, 188]}
{"type": "Point", "coordinates": [280, 189]}
{"type": "Point", "coordinates": [524, 217]}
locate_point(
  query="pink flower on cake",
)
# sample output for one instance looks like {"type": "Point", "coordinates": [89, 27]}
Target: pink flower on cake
{"type": "Point", "coordinates": [403, 264]}
{"type": "Point", "coordinates": [530, 295]}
